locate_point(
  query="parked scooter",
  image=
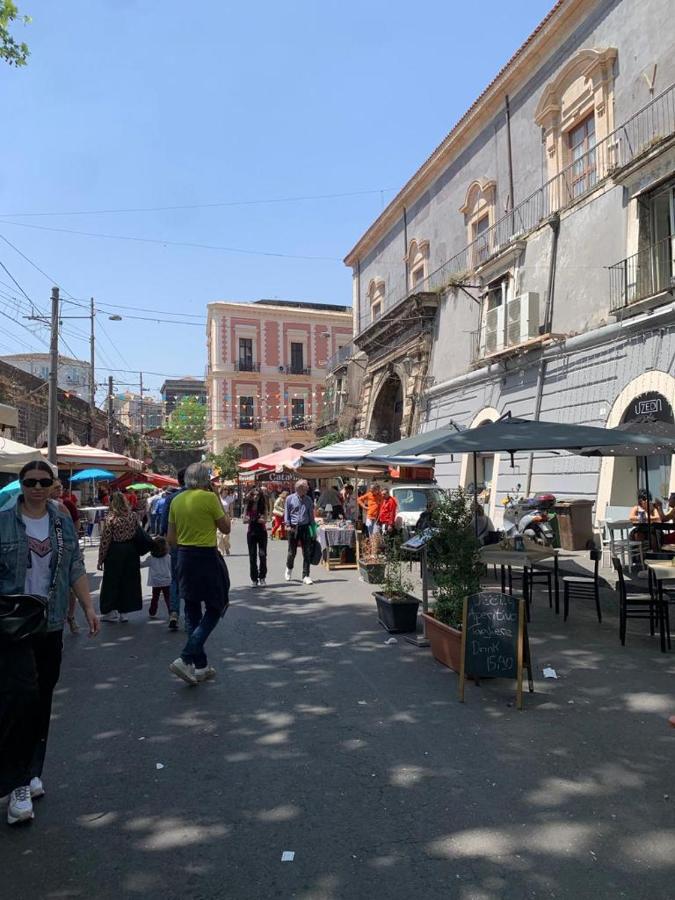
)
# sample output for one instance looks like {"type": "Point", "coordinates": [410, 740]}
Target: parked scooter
{"type": "Point", "coordinates": [535, 523]}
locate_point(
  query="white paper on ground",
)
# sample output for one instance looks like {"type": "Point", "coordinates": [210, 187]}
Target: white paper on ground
{"type": "Point", "coordinates": [159, 765]}
{"type": "Point", "coordinates": [288, 856]}
{"type": "Point", "coordinates": [550, 673]}
{"type": "Point", "coordinates": [391, 641]}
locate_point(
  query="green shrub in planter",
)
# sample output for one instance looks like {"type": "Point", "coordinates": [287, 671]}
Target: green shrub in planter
{"type": "Point", "coordinates": [453, 556]}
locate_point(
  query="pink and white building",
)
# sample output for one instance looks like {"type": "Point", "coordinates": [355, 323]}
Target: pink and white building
{"type": "Point", "coordinates": [267, 371]}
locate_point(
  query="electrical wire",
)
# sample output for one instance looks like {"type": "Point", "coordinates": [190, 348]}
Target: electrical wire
{"type": "Point", "coordinates": [216, 205]}
{"type": "Point", "coordinates": [169, 243]}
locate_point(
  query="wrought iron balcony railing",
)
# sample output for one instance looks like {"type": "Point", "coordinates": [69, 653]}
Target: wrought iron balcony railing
{"type": "Point", "coordinates": [246, 365]}
{"type": "Point", "coordinates": [648, 272]}
{"type": "Point", "coordinates": [643, 131]}
{"type": "Point", "coordinates": [342, 356]}
{"type": "Point", "coordinates": [298, 370]}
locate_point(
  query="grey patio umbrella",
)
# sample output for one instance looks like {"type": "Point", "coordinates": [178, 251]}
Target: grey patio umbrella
{"type": "Point", "coordinates": [512, 435]}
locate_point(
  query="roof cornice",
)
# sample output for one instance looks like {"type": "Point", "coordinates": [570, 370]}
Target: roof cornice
{"type": "Point", "coordinates": [554, 28]}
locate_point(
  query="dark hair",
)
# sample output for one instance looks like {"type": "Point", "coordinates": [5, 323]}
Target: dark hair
{"type": "Point", "coordinates": [160, 547]}
{"type": "Point", "coordinates": [38, 464]}
{"type": "Point", "coordinates": [180, 475]}
{"type": "Point", "coordinates": [644, 495]}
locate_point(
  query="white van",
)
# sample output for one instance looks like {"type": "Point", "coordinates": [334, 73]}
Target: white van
{"type": "Point", "coordinates": [412, 499]}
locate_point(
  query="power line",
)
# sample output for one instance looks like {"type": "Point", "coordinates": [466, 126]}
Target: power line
{"type": "Point", "coordinates": [17, 284]}
{"type": "Point", "coordinates": [216, 205]}
{"type": "Point", "coordinates": [169, 243]}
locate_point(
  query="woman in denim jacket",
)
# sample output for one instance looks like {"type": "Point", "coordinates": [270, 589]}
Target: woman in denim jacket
{"type": "Point", "coordinates": [39, 554]}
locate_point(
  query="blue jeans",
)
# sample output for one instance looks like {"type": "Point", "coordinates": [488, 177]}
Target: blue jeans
{"type": "Point", "coordinates": [200, 624]}
{"type": "Point", "coordinates": [174, 605]}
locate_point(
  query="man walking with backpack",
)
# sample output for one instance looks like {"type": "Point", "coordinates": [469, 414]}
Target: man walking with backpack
{"type": "Point", "coordinates": [298, 516]}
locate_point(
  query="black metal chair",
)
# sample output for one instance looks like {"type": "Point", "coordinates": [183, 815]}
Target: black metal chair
{"type": "Point", "coordinates": [540, 575]}
{"type": "Point", "coordinates": [583, 587]}
{"type": "Point", "coordinates": [667, 594]}
{"type": "Point", "coordinates": [636, 605]}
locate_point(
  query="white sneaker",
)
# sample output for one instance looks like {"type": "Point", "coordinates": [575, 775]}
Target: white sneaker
{"type": "Point", "coordinates": [287, 574]}
{"type": "Point", "coordinates": [183, 670]}
{"type": "Point", "coordinates": [20, 807]}
{"type": "Point", "coordinates": [205, 674]}
{"type": "Point", "coordinates": [113, 616]}
{"type": "Point", "coordinates": [123, 618]}
{"type": "Point", "coordinates": [262, 583]}
{"type": "Point", "coordinates": [307, 580]}
{"type": "Point", "coordinates": [37, 788]}
{"type": "Point", "coordinates": [255, 583]}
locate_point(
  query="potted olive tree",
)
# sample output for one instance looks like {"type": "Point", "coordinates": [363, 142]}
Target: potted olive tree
{"type": "Point", "coordinates": [372, 560]}
{"type": "Point", "coordinates": [453, 558]}
{"type": "Point", "coordinates": [396, 607]}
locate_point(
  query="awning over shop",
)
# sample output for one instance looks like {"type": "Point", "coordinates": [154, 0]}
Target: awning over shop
{"type": "Point", "coordinates": [158, 481]}
{"type": "Point", "coordinates": [356, 455]}
{"type": "Point", "coordinates": [273, 462]}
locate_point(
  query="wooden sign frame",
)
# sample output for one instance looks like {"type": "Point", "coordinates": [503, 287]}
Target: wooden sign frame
{"type": "Point", "coordinates": [523, 659]}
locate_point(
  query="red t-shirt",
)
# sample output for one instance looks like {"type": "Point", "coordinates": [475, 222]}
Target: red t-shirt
{"type": "Point", "coordinates": [72, 509]}
{"type": "Point", "coordinates": [388, 511]}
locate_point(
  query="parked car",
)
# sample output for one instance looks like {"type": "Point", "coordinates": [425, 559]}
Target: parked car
{"type": "Point", "coordinates": [412, 500]}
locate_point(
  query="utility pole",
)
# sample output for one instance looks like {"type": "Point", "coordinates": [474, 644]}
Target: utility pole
{"type": "Point", "coordinates": [140, 375]}
{"type": "Point", "coordinates": [92, 378]}
{"type": "Point", "coordinates": [53, 409]}
{"type": "Point", "coordinates": [111, 413]}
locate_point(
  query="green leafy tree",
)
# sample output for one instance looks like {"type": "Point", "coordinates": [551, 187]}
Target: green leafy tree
{"type": "Point", "coordinates": [226, 461]}
{"type": "Point", "coordinates": [333, 438]}
{"type": "Point", "coordinates": [12, 51]}
{"type": "Point", "coordinates": [187, 424]}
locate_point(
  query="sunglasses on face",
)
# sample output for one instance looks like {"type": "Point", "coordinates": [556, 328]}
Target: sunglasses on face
{"type": "Point", "coordinates": [38, 482]}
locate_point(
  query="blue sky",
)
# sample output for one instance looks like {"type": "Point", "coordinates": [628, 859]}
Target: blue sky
{"type": "Point", "coordinates": [129, 104]}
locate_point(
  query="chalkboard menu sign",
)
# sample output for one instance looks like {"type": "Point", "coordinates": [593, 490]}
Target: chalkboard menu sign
{"type": "Point", "coordinates": [494, 640]}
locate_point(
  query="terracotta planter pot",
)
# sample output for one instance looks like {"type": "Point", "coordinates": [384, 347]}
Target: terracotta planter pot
{"type": "Point", "coordinates": [397, 616]}
{"type": "Point", "coordinates": [446, 642]}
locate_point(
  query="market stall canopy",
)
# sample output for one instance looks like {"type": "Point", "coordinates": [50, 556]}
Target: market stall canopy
{"type": "Point", "coordinates": [141, 487]}
{"type": "Point", "coordinates": [355, 455]}
{"type": "Point", "coordinates": [14, 456]}
{"type": "Point", "coordinates": [73, 456]}
{"type": "Point", "coordinates": [158, 481]}
{"type": "Point", "coordinates": [511, 435]}
{"type": "Point", "coordinates": [9, 493]}
{"type": "Point", "coordinates": [92, 475]}
{"type": "Point", "coordinates": [273, 462]}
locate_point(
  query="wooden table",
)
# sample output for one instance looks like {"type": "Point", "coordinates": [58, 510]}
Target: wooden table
{"type": "Point", "coordinates": [661, 572]}
{"type": "Point", "coordinates": [492, 556]}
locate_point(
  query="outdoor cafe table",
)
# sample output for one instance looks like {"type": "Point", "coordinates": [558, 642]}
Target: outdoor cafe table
{"type": "Point", "coordinates": [531, 556]}
{"type": "Point", "coordinates": [662, 571]}
{"type": "Point", "coordinates": [337, 535]}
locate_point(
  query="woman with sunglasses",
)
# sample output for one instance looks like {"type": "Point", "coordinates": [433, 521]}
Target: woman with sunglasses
{"type": "Point", "coordinates": [39, 555]}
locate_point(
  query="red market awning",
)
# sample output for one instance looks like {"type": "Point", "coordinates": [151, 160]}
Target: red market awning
{"type": "Point", "coordinates": [158, 481]}
{"type": "Point", "coordinates": [273, 462]}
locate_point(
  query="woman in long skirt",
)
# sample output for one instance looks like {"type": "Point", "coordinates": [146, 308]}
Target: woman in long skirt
{"type": "Point", "coordinates": [119, 557]}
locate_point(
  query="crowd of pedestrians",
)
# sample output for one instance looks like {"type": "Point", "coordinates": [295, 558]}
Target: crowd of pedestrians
{"type": "Point", "coordinates": [181, 535]}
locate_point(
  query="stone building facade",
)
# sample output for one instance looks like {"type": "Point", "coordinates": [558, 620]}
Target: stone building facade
{"type": "Point", "coordinates": [542, 230]}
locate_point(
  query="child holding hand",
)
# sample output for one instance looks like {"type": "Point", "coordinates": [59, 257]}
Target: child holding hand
{"type": "Point", "coordinates": [159, 563]}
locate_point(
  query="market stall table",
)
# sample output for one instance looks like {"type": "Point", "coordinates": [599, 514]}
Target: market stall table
{"type": "Point", "coordinates": [336, 535]}
{"type": "Point", "coordinates": [93, 516]}
{"type": "Point", "coordinates": [530, 556]}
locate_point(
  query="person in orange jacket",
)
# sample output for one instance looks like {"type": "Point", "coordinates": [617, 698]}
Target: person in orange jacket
{"type": "Point", "coordinates": [370, 503]}
{"type": "Point", "coordinates": [388, 511]}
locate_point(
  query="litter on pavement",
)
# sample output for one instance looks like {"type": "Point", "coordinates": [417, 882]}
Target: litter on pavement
{"type": "Point", "coordinates": [550, 673]}
{"type": "Point", "coordinates": [159, 765]}
{"type": "Point", "coordinates": [288, 856]}
{"type": "Point", "coordinates": [391, 641]}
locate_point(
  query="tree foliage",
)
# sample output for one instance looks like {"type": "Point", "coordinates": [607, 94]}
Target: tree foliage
{"type": "Point", "coordinates": [187, 424]}
{"type": "Point", "coordinates": [12, 51]}
{"type": "Point", "coordinates": [334, 437]}
{"type": "Point", "coordinates": [226, 461]}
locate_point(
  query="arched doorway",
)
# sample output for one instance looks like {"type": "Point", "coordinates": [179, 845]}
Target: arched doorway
{"type": "Point", "coordinates": [385, 421]}
{"type": "Point", "coordinates": [248, 451]}
{"type": "Point", "coordinates": [649, 398]}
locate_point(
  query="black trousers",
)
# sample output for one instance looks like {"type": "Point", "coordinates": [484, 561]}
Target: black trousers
{"type": "Point", "coordinates": [299, 535]}
{"type": "Point", "coordinates": [257, 554]}
{"type": "Point", "coordinates": [29, 672]}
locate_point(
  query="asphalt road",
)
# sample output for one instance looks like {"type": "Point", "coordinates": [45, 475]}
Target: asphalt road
{"type": "Point", "coordinates": [320, 739]}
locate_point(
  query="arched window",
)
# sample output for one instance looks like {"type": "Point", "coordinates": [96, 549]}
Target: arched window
{"type": "Point", "coordinates": [479, 217]}
{"type": "Point", "coordinates": [576, 112]}
{"type": "Point", "coordinates": [376, 298]}
{"type": "Point", "coordinates": [248, 451]}
{"type": "Point", "coordinates": [418, 263]}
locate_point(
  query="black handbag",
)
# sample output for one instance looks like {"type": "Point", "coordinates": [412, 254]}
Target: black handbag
{"type": "Point", "coordinates": [142, 541]}
{"type": "Point", "coordinates": [25, 615]}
